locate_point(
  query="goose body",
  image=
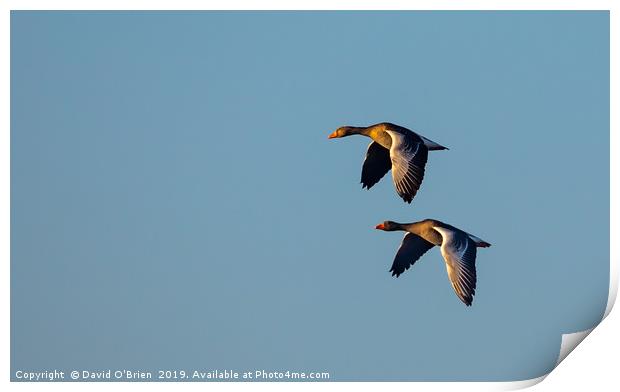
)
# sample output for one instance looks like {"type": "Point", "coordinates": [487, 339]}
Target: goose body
{"type": "Point", "coordinates": [396, 148]}
{"type": "Point", "coordinates": [458, 249]}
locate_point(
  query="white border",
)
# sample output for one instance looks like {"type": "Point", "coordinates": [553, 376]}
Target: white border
{"type": "Point", "coordinates": [607, 344]}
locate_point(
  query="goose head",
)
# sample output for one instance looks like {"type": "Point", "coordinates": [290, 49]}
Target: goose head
{"type": "Point", "coordinates": [343, 131]}
{"type": "Point", "coordinates": [388, 226]}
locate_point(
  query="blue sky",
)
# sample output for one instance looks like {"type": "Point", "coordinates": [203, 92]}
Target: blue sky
{"type": "Point", "coordinates": [175, 202]}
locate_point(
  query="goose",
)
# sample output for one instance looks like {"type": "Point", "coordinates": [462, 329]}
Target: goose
{"type": "Point", "coordinates": [458, 249]}
{"type": "Point", "coordinates": [393, 147]}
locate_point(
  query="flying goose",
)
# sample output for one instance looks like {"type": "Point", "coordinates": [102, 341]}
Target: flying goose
{"type": "Point", "coordinates": [458, 249]}
{"type": "Point", "coordinates": [393, 147]}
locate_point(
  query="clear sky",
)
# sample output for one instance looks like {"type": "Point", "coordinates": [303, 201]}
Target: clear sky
{"type": "Point", "coordinates": [176, 204]}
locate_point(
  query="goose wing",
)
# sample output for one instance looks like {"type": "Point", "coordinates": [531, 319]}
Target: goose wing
{"type": "Point", "coordinates": [411, 249]}
{"type": "Point", "coordinates": [408, 155]}
{"type": "Point", "coordinates": [459, 252]}
{"type": "Point", "coordinates": [376, 164]}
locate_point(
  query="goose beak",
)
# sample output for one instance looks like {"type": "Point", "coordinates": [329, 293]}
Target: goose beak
{"type": "Point", "coordinates": [380, 226]}
{"type": "Point", "coordinates": [332, 135]}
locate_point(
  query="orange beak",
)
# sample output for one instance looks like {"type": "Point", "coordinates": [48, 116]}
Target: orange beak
{"type": "Point", "coordinates": [333, 135]}
{"type": "Point", "coordinates": [380, 226]}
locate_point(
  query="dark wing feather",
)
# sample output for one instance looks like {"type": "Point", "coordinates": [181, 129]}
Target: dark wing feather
{"type": "Point", "coordinates": [376, 164]}
{"type": "Point", "coordinates": [411, 249]}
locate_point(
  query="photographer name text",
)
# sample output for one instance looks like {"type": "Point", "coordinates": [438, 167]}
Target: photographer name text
{"type": "Point", "coordinates": [167, 375]}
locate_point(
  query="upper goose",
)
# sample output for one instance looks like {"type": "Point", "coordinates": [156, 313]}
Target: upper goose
{"type": "Point", "coordinates": [393, 147]}
{"type": "Point", "coordinates": [458, 249]}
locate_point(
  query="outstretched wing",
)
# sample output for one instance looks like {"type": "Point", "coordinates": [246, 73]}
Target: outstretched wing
{"type": "Point", "coordinates": [408, 155]}
{"type": "Point", "coordinates": [459, 252]}
{"type": "Point", "coordinates": [376, 164]}
{"type": "Point", "coordinates": [411, 249]}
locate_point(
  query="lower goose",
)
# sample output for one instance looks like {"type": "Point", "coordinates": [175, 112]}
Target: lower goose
{"type": "Point", "coordinates": [458, 249]}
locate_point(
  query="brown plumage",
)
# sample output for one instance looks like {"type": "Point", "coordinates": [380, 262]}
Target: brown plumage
{"type": "Point", "coordinates": [393, 147]}
{"type": "Point", "coordinates": [458, 249]}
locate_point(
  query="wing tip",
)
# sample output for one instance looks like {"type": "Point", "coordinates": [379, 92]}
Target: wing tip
{"type": "Point", "coordinates": [408, 196]}
{"type": "Point", "coordinates": [367, 185]}
{"type": "Point", "coordinates": [394, 273]}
